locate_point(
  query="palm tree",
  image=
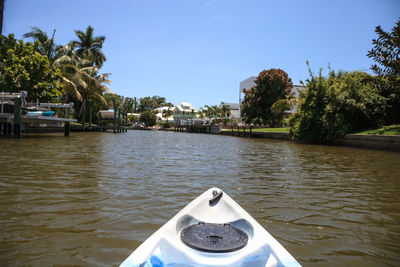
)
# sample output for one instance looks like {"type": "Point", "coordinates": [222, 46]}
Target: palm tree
{"type": "Point", "coordinates": [81, 82]}
{"type": "Point", "coordinates": [201, 112]}
{"type": "Point", "coordinates": [89, 46]}
{"type": "Point", "coordinates": [225, 112]}
{"type": "Point", "coordinates": [167, 113]}
{"type": "Point", "coordinates": [95, 85]}
{"type": "Point", "coordinates": [193, 113]}
{"type": "Point", "coordinates": [215, 111]}
{"type": "Point", "coordinates": [47, 46]}
{"type": "Point", "coordinates": [79, 62]}
{"type": "Point", "coordinates": [80, 79]}
{"type": "Point", "coordinates": [135, 105]}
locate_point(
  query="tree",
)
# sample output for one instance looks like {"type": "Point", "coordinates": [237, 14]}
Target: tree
{"type": "Point", "coordinates": [135, 105]}
{"type": "Point", "coordinates": [167, 113]}
{"type": "Point", "coordinates": [331, 107]}
{"type": "Point", "coordinates": [113, 100]}
{"type": "Point", "coordinates": [92, 86]}
{"type": "Point", "coordinates": [271, 85]}
{"type": "Point", "coordinates": [128, 105]}
{"type": "Point", "coordinates": [148, 117]}
{"type": "Point", "coordinates": [23, 68]}
{"type": "Point", "coordinates": [89, 46]}
{"type": "Point", "coordinates": [201, 112]}
{"type": "Point", "coordinates": [80, 75]}
{"type": "Point", "coordinates": [385, 53]}
{"type": "Point", "coordinates": [278, 110]}
{"type": "Point", "coordinates": [47, 45]}
{"type": "Point", "coordinates": [150, 103]}
{"type": "Point", "coordinates": [225, 112]}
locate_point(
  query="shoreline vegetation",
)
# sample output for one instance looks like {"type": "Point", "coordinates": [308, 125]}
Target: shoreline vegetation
{"type": "Point", "coordinates": [393, 130]}
{"type": "Point", "coordinates": [325, 111]}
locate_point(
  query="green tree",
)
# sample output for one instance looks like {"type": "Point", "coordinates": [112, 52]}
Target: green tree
{"type": "Point", "coordinates": [81, 79]}
{"type": "Point", "coordinates": [385, 53]}
{"type": "Point", "coordinates": [23, 68]}
{"type": "Point", "coordinates": [135, 105]}
{"type": "Point", "coordinates": [201, 112]}
{"type": "Point", "coordinates": [92, 86]}
{"type": "Point", "coordinates": [151, 103]}
{"type": "Point", "coordinates": [278, 110]}
{"type": "Point", "coordinates": [148, 117]}
{"type": "Point", "coordinates": [113, 100]}
{"type": "Point", "coordinates": [331, 107]}
{"type": "Point", "coordinates": [128, 105]}
{"type": "Point", "coordinates": [271, 85]}
{"type": "Point", "coordinates": [89, 46]}
{"type": "Point", "coordinates": [225, 112]}
{"type": "Point", "coordinates": [167, 113]}
{"type": "Point", "coordinates": [47, 45]}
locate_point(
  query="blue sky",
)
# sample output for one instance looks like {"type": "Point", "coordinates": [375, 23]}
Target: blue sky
{"type": "Point", "coordinates": [198, 51]}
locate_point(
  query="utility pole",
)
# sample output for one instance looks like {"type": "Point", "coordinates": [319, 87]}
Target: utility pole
{"type": "Point", "coordinates": [1, 15]}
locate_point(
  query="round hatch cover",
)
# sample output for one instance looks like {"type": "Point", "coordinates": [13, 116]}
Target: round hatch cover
{"type": "Point", "coordinates": [213, 237]}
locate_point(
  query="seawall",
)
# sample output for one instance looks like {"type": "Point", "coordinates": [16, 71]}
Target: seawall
{"type": "Point", "coordinates": [380, 142]}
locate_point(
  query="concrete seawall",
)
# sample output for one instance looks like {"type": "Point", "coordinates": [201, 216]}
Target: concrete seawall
{"type": "Point", "coordinates": [280, 136]}
{"type": "Point", "coordinates": [381, 142]}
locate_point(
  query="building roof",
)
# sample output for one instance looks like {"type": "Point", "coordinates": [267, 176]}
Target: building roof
{"type": "Point", "coordinates": [185, 106]}
{"type": "Point", "coordinates": [232, 106]}
{"type": "Point", "coordinates": [161, 109]}
{"type": "Point", "coordinates": [247, 84]}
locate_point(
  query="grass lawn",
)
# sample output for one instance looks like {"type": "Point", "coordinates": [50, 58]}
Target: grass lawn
{"type": "Point", "coordinates": [81, 124]}
{"type": "Point", "coordinates": [264, 130]}
{"type": "Point", "coordinates": [385, 130]}
{"type": "Point", "coordinates": [271, 130]}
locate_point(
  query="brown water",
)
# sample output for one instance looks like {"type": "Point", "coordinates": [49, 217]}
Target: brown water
{"type": "Point", "coordinates": [92, 198]}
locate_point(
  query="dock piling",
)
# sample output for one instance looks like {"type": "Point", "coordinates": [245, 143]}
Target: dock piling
{"type": "Point", "coordinates": [17, 117]}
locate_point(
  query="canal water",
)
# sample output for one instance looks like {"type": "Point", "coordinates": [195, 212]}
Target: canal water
{"type": "Point", "coordinates": [92, 198]}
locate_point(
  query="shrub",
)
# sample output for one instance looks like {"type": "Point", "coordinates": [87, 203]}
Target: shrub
{"type": "Point", "coordinates": [331, 107]}
{"type": "Point", "coordinates": [271, 85]}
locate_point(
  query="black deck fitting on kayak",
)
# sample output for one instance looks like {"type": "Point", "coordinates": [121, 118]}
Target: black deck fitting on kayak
{"type": "Point", "coordinates": [216, 197]}
{"type": "Point", "coordinates": [213, 237]}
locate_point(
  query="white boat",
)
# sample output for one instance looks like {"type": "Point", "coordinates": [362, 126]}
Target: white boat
{"type": "Point", "coordinates": [212, 230]}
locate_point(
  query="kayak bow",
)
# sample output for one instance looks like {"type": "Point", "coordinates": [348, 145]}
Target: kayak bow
{"type": "Point", "coordinates": [212, 230]}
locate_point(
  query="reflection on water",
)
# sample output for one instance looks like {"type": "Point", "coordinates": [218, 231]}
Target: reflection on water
{"type": "Point", "coordinates": [92, 198]}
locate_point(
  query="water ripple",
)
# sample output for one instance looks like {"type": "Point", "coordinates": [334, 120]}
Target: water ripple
{"type": "Point", "coordinates": [92, 198]}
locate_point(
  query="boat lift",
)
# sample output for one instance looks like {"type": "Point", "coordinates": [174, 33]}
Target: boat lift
{"type": "Point", "coordinates": [10, 122]}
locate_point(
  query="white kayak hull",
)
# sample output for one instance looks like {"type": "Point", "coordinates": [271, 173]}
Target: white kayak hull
{"type": "Point", "coordinates": [165, 247]}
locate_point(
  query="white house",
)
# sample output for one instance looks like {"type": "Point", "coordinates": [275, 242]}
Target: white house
{"type": "Point", "coordinates": [183, 112]}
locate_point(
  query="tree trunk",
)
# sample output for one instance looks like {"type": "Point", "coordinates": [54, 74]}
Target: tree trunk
{"type": "Point", "coordinates": [82, 107]}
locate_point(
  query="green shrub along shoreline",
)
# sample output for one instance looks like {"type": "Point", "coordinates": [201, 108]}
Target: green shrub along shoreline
{"type": "Point", "coordinates": [330, 107]}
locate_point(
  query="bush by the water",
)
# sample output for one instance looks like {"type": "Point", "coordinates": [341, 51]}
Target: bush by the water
{"type": "Point", "coordinates": [272, 86]}
{"type": "Point", "coordinates": [331, 107]}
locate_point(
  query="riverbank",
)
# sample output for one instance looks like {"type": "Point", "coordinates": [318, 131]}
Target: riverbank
{"type": "Point", "coordinates": [380, 142]}
{"type": "Point", "coordinates": [362, 140]}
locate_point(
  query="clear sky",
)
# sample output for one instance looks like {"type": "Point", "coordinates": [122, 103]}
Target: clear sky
{"type": "Point", "coordinates": [198, 51]}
